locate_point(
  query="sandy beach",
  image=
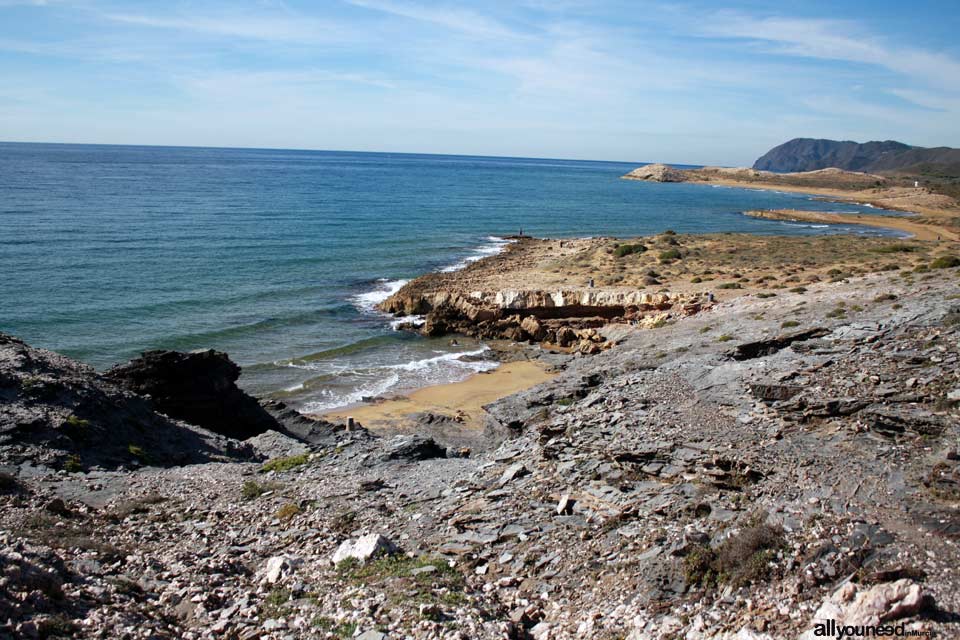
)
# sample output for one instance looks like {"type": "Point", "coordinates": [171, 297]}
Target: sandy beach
{"type": "Point", "coordinates": [919, 230]}
{"type": "Point", "coordinates": [463, 400]}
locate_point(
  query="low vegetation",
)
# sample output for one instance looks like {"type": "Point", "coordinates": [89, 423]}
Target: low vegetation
{"type": "Point", "coordinates": [742, 558]}
{"type": "Point", "coordinates": [629, 249]}
{"type": "Point", "coordinates": [286, 464]}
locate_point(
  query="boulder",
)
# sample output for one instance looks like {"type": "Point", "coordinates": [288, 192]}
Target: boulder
{"type": "Point", "coordinates": [199, 387]}
{"type": "Point", "coordinates": [279, 567]}
{"type": "Point", "coordinates": [414, 448]}
{"type": "Point", "coordinates": [566, 336]}
{"type": "Point", "coordinates": [364, 549]}
{"type": "Point", "coordinates": [533, 328]}
{"type": "Point", "coordinates": [853, 605]}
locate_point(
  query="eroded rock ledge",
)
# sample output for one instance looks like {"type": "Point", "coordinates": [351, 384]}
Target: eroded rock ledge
{"type": "Point", "coordinates": [562, 317]}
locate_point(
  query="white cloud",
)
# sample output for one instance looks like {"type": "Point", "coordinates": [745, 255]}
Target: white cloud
{"type": "Point", "coordinates": [836, 40]}
{"type": "Point", "coordinates": [462, 20]}
{"type": "Point", "coordinates": [255, 27]}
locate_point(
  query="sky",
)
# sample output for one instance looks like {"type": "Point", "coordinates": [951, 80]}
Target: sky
{"type": "Point", "coordinates": [682, 82]}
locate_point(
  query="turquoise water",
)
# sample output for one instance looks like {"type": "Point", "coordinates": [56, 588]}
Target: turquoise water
{"type": "Point", "coordinates": [277, 257]}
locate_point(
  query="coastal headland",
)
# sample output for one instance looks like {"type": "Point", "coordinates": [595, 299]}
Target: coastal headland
{"type": "Point", "coordinates": [939, 212]}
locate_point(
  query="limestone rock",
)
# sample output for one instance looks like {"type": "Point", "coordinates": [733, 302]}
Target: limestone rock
{"type": "Point", "coordinates": [878, 604]}
{"type": "Point", "coordinates": [656, 172]}
{"type": "Point", "coordinates": [365, 548]}
{"type": "Point", "coordinates": [279, 567]}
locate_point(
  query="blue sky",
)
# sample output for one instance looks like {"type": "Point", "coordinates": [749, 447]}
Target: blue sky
{"type": "Point", "coordinates": [687, 82]}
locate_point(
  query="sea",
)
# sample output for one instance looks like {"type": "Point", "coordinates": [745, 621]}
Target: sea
{"type": "Point", "coordinates": [279, 257]}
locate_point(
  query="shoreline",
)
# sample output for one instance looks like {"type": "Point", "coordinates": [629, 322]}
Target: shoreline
{"type": "Point", "coordinates": [918, 231]}
{"type": "Point", "coordinates": [462, 401]}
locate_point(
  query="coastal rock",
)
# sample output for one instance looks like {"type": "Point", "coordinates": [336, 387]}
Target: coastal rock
{"type": "Point", "coordinates": [656, 173]}
{"type": "Point", "coordinates": [563, 317]}
{"type": "Point", "coordinates": [198, 387]}
{"type": "Point", "coordinates": [57, 412]}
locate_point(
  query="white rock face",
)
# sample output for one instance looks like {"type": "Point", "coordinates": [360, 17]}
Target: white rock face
{"type": "Point", "coordinates": [878, 604]}
{"type": "Point", "coordinates": [279, 567]}
{"type": "Point", "coordinates": [368, 547]}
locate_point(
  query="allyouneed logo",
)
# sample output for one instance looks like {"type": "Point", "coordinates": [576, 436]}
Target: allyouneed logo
{"type": "Point", "coordinates": [830, 629]}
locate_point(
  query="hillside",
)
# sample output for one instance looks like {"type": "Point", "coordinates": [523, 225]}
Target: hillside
{"type": "Point", "coordinates": [808, 154]}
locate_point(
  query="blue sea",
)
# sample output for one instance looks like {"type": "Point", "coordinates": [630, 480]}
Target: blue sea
{"type": "Point", "coordinates": [278, 257]}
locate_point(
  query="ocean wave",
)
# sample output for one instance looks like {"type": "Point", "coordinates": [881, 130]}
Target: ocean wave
{"type": "Point", "coordinates": [495, 245]}
{"type": "Point", "coordinates": [444, 368]}
{"type": "Point", "coordinates": [356, 396]}
{"type": "Point", "coordinates": [414, 320]}
{"type": "Point", "coordinates": [368, 301]}
{"type": "Point", "coordinates": [449, 358]}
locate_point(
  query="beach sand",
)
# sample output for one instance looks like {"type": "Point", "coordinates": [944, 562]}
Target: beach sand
{"type": "Point", "coordinates": [918, 230]}
{"type": "Point", "coordinates": [462, 400]}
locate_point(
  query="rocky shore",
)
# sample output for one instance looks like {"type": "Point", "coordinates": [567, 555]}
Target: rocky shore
{"type": "Point", "coordinates": [475, 302]}
{"type": "Point", "coordinates": [939, 212]}
{"type": "Point", "coordinates": [782, 457]}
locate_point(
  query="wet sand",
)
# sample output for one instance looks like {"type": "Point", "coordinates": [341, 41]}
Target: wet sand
{"type": "Point", "coordinates": [462, 400]}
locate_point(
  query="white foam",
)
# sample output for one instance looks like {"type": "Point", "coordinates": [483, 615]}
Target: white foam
{"type": "Point", "coordinates": [355, 397]}
{"type": "Point", "coordinates": [495, 245]}
{"type": "Point", "coordinates": [414, 320]}
{"type": "Point", "coordinates": [446, 367]}
{"type": "Point", "coordinates": [385, 288]}
{"type": "Point", "coordinates": [449, 358]}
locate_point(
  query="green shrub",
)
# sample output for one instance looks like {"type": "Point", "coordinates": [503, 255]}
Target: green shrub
{"type": "Point", "coordinates": [73, 464]}
{"type": "Point", "coordinates": [76, 423]}
{"type": "Point", "coordinates": [137, 452]}
{"type": "Point", "coordinates": [798, 290]}
{"type": "Point", "coordinates": [766, 295]}
{"type": "Point", "coordinates": [725, 338]}
{"type": "Point", "coordinates": [945, 262]}
{"type": "Point", "coordinates": [895, 248]}
{"type": "Point", "coordinates": [288, 511]}
{"type": "Point", "coordinates": [730, 285]}
{"type": "Point", "coordinates": [787, 324]}
{"type": "Point", "coordinates": [286, 464]}
{"type": "Point", "coordinates": [669, 255]}
{"type": "Point", "coordinates": [252, 489]}
{"type": "Point", "coordinates": [739, 560]}
{"type": "Point", "coordinates": [629, 249]}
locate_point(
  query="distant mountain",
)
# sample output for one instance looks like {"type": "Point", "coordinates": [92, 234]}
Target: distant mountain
{"type": "Point", "coordinates": [809, 154]}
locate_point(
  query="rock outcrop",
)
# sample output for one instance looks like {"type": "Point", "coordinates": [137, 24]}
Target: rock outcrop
{"type": "Point", "coordinates": [199, 387]}
{"type": "Point", "coordinates": [60, 413]}
{"type": "Point", "coordinates": [563, 317]}
{"type": "Point", "coordinates": [657, 173]}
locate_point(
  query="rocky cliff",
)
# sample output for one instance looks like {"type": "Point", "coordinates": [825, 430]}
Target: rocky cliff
{"type": "Point", "coordinates": [809, 154]}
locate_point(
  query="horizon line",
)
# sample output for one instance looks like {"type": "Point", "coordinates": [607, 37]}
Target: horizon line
{"type": "Point", "coordinates": [306, 149]}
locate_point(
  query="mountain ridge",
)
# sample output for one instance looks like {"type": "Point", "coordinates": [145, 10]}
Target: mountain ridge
{"type": "Point", "coordinates": [810, 154]}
